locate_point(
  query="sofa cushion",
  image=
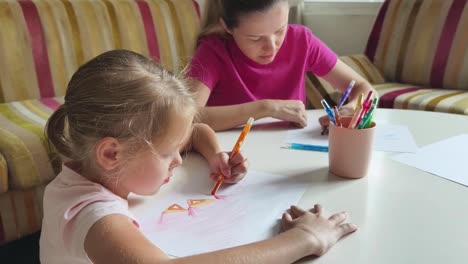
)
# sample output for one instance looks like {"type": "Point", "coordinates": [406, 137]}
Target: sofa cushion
{"type": "Point", "coordinates": [422, 42]}
{"type": "Point", "coordinates": [405, 96]}
{"type": "Point", "coordinates": [3, 174]}
{"type": "Point", "coordinates": [23, 143]}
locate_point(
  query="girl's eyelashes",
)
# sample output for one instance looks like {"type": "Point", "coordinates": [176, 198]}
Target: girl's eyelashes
{"type": "Point", "coordinates": [277, 33]}
{"type": "Point", "coordinates": [255, 39]}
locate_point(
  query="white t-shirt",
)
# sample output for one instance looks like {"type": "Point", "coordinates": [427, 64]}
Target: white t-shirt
{"type": "Point", "coordinates": [72, 204]}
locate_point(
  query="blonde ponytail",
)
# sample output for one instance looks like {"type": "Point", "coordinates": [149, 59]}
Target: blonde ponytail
{"type": "Point", "coordinates": [56, 134]}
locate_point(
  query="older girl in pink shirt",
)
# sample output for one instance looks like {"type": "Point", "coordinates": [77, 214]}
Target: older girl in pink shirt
{"type": "Point", "coordinates": [250, 62]}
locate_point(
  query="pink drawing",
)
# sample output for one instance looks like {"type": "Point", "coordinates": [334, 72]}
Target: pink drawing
{"type": "Point", "coordinates": [193, 204]}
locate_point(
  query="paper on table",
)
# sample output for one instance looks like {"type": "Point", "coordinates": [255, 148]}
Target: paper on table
{"type": "Point", "coordinates": [394, 138]}
{"type": "Point", "coordinates": [188, 221]}
{"type": "Point", "coordinates": [388, 137]}
{"type": "Point", "coordinates": [311, 134]}
{"type": "Point", "coordinates": [446, 159]}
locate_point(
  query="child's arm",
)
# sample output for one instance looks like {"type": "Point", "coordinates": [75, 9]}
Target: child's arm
{"type": "Point", "coordinates": [114, 239]}
{"type": "Point", "coordinates": [340, 76]}
{"type": "Point", "coordinates": [204, 141]}
{"type": "Point", "coordinates": [230, 116]}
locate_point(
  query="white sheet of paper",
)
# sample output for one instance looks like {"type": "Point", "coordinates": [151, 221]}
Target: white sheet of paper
{"type": "Point", "coordinates": [311, 134]}
{"type": "Point", "coordinates": [394, 138]}
{"type": "Point", "coordinates": [247, 212]}
{"type": "Point", "coordinates": [446, 158]}
{"type": "Point", "coordinates": [388, 137]}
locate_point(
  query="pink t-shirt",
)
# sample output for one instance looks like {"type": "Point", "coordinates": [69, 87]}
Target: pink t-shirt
{"type": "Point", "coordinates": [233, 78]}
{"type": "Point", "coordinates": [72, 204]}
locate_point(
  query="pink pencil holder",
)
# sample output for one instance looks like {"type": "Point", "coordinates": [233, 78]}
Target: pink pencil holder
{"type": "Point", "coordinates": [350, 150]}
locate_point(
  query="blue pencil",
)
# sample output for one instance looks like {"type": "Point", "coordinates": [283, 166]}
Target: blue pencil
{"type": "Point", "coordinates": [308, 147]}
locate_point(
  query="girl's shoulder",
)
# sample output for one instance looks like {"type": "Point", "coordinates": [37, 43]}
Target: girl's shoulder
{"type": "Point", "coordinates": [303, 34]}
{"type": "Point", "coordinates": [213, 47]}
{"type": "Point", "coordinates": [70, 188]}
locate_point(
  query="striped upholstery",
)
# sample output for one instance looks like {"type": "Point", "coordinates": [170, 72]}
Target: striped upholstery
{"type": "Point", "coordinates": [404, 96]}
{"type": "Point", "coordinates": [396, 95]}
{"type": "Point", "coordinates": [23, 144]}
{"type": "Point", "coordinates": [20, 213]}
{"type": "Point", "coordinates": [416, 57]}
{"type": "Point", "coordinates": [362, 65]}
{"type": "Point", "coordinates": [42, 43]}
{"type": "Point", "coordinates": [3, 174]}
{"type": "Point", "coordinates": [422, 42]}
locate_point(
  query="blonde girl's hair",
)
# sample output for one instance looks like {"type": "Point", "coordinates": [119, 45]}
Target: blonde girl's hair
{"type": "Point", "coordinates": [119, 94]}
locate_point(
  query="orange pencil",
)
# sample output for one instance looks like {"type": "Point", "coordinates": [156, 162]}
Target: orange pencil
{"type": "Point", "coordinates": [337, 117]}
{"type": "Point", "coordinates": [234, 151]}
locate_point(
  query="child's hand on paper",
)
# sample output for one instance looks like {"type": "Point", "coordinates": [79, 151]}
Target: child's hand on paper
{"type": "Point", "coordinates": [234, 169]}
{"type": "Point", "coordinates": [320, 232]}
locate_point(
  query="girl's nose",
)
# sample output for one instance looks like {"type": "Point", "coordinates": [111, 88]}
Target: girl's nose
{"type": "Point", "coordinates": [269, 45]}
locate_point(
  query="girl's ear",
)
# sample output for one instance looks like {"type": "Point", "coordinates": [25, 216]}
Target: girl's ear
{"type": "Point", "coordinates": [223, 25]}
{"type": "Point", "coordinates": [108, 153]}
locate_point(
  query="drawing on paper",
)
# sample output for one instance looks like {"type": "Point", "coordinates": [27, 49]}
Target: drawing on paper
{"type": "Point", "coordinates": [192, 204]}
{"type": "Point", "coordinates": [188, 221]}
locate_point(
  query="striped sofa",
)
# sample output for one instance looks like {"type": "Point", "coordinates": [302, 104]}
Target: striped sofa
{"type": "Point", "coordinates": [416, 56]}
{"type": "Point", "coordinates": [42, 43]}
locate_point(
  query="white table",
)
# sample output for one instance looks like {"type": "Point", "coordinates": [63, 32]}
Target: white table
{"type": "Point", "coordinates": [405, 215]}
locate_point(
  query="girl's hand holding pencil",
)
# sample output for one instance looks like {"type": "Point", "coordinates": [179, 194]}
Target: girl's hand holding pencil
{"type": "Point", "coordinates": [235, 152]}
{"type": "Point", "coordinates": [233, 169]}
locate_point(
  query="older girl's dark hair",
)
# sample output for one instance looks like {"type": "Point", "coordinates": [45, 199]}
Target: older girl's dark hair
{"type": "Point", "coordinates": [230, 12]}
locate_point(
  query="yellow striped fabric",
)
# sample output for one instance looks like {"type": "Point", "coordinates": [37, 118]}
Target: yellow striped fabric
{"type": "Point", "coordinates": [17, 72]}
{"type": "Point", "coordinates": [3, 174]}
{"type": "Point", "coordinates": [188, 25]}
{"type": "Point", "coordinates": [23, 143]}
{"type": "Point", "coordinates": [422, 42]}
{"type": "Point", "coordinates": [73, 32]}
{"type": "Point", "coordinates": [362, 65]}
{"type": "Point", "coordinates": [168, 36]}
{"type": "Point", "coordinates": [20, 213]}
{"type": "Point", "coordinates": [43, 42]}
{"type": "Point", "coordinates": [404, 96]}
